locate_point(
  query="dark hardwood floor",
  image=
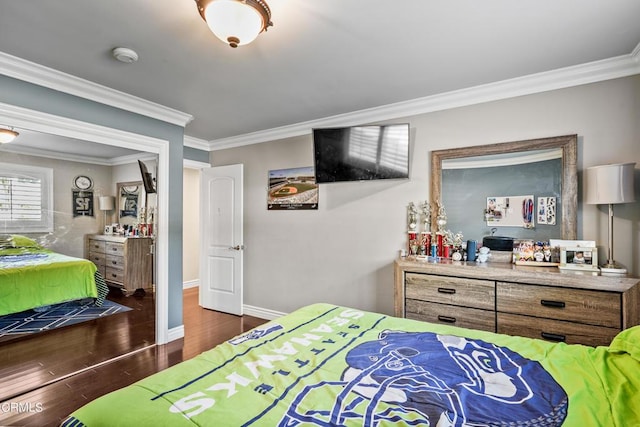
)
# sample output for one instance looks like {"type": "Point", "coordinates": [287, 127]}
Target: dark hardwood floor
{"type": "Point", "coordinates": [29, 361]}
{"type": "Point", "coordinates": [50, 404]}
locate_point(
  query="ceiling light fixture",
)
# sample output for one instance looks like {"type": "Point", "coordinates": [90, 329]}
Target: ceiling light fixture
{"type": "Point", "coordinates": [7, 135]}
{"type": "Point", "coordinates": [235, 22]}
{"type": "Point", "coordinates": [124, 54]}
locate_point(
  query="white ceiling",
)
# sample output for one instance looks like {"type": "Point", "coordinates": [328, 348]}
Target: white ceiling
{"type": "Point", "coordinates": [320, 59]}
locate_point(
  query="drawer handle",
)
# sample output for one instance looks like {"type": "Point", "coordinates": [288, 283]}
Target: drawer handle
{"type": "Point", "coordinates": [114, 249]}
{"type": "Point", "coordinates": [447, 319]}
{"type": "Point", "coordinates": [553, 304]}
{"type": "Point", "coordinates": [446, 291]}
{"type": "Point", "coordinates": [114, 262]}
{"type": "Point", "coordinates": [553, 337]}
{"type": "Point", "coordinates": [114, 275]}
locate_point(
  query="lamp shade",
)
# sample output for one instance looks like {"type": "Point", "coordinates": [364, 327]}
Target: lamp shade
{"type": "Point", "coordinates": [107, 203]}
{"type": "Point", "coordinates": [610, 184]}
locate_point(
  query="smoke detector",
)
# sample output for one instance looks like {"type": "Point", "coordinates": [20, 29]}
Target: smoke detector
{"type": "Point", "coordinates": [124, 54]}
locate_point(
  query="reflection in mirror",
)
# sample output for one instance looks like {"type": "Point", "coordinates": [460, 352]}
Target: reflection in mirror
{"type": "Point", "coordinates": [130, 201]}
{"type": "Point", "coordinates": [502, 188]}
{"type": "Point", "coordinates": [29, 360]}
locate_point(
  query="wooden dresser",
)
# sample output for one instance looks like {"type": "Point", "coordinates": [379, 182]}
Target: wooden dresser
{"type": "Point", "coordinates": [535, 302]}
{"type": "Point", "coordinates": [125, 262]}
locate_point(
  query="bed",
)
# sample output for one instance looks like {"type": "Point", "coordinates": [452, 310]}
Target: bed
{"type": "Point", "coordinates": [32, 277]}
{"type": "Point", "coordinates": [328, 365]}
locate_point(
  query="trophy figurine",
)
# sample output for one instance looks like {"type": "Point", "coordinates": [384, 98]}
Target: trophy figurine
{"type": "Point", "coordinates": [412, 217]}
{"type": "Point", "coordinates": [441, 220]}
{"type": "Point", "coordinates": [412, 229]}
{"type": "Point", "coordinates": [426, 217]}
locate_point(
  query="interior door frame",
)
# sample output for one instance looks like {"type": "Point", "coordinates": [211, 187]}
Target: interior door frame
{"type": "Point", "coordinates": [58, 125]}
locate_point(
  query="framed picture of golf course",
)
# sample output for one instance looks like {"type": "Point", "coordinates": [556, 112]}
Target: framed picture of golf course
{"type": "Point", "coordinates": [291, 189]}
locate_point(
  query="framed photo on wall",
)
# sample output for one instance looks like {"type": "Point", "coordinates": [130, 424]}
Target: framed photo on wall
{"type": "Point", "coordinates": [292, 189]}
{"type": "Point", "coordinates": [82, 203]}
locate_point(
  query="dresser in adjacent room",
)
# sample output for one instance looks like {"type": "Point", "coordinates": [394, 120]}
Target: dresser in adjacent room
{"type": "Point", "coordinates": [124, 262]}
{"type": "Point", "coordinates": [535, 302]}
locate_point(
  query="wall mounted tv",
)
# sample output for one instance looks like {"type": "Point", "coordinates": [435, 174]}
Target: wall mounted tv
{"type": "Point", "coordinates": [361, 153]}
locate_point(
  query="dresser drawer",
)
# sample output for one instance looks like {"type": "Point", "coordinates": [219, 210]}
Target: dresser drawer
{"type": "Point", "coordinates": [96, 246]}
{"type": "Point", "coordinates": [97, 258]}
{"type": "Point", "coordinates": [555, 330]}
{"type": "Point", "coordinates": [451, 315]}
{"type": "Point", "coordinates": [451, 290]}
{"type": "Point", "coordinates": [577, 305]}
{"type": "Point", "coordinates": [114, 275]}
{"type": "Point", "coordinates": [115, 262]}
{"type": "Point", "coordinates": [114, 248]}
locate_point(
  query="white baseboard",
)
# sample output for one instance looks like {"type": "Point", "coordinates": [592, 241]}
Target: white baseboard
{"type": "Point", "coordinates": [175, 333]}
{"type": "Point", "coordinates": [190, 284]}
{"type": "Point", "coordinates": [262, 313]}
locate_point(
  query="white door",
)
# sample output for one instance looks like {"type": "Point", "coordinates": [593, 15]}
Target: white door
{"type": "Point", "coordinates": [221, 240]}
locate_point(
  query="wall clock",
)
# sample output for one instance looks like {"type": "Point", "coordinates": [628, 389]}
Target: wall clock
{"type": "Point", "coordinates": [130, 189]}
{"type": "Point", "coordinates": [83, 182]}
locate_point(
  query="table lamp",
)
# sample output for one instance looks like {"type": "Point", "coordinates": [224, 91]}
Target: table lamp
{"type": "Point", "coordinates": [609, 185]}
{"type": "Point", "coordinates": [106, 203]}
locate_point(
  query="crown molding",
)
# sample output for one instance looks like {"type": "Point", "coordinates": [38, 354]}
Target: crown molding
{"type": "Point", "coordinates": [592, 72]}
{"type": "Point", "coordinates": [131, 158]}
{"type": "Point", "coordinates": [200, 144]}
{"type": "Point", "coordinates": [36, 152]}
{"type": "Point", "coordinates": [31, 72]}
{"type": "Point", "coordinates": [48, 123]}
{"type": "Point", "coordinates": [70, 157]}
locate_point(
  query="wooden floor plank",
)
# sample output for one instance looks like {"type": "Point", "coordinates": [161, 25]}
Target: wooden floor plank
{"type": "Point", "coordinates": [28, 362]}
{"type": "Point", "coordinates": [49, 405]}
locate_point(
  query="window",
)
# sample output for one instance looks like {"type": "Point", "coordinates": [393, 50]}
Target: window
{"type": "Point", "coordinates": [26, 199]}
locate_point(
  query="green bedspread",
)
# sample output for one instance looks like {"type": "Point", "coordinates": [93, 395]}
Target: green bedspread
{"type": "Point", "coordinates": [328, 365]}
{"type": "Point", "coordinates": [35, 277]}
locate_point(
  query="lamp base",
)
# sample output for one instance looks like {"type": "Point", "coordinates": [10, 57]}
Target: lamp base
{"type": "Point", "coordinates": [613, 269]}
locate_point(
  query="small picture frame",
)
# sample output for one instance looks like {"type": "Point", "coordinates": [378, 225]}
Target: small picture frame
{"type": "Point", "coordinates": [534, 253]}
{"type": "Point", "coordinates": [580, 258]}
{"type": "Point", "coordinates": [108, 230]}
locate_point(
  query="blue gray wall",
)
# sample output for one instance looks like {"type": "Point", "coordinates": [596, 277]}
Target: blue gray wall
{"type": "Point", "coordinates": [196, 155]}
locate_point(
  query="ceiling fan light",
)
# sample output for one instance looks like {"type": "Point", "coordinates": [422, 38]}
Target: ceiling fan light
{"type": "Point", "coordinates": [235, 22]}
{"type": "Point", "coordinates": [7, 135]}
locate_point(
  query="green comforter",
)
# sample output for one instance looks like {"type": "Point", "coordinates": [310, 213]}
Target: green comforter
{"type": "Point", "coordinates": [326, 365]}
{"type": "Point", "coordinates": [35, 277]}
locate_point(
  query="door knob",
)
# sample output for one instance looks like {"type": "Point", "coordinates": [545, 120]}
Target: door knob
{"type": "Point", "coordinates": [237, 247]}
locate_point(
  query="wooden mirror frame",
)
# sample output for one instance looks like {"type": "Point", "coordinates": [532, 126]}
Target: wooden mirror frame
{"type": "Point", "coordinates": [567, 143]}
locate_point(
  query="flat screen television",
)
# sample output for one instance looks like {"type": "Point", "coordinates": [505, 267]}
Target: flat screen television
{"type": "Point", "coordinates": [360, 153]}
{"type": "Point", "coordinates": [147, 179]}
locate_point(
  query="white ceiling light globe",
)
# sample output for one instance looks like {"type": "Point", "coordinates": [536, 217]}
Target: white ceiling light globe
{"type": "Point", "coordinates": [233, 21]}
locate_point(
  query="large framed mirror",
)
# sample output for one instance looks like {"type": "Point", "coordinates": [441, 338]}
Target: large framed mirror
{"type": "Point", "coordinates": [130, 201]}
{"type": "Point", "coordinates": [463, 179]}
